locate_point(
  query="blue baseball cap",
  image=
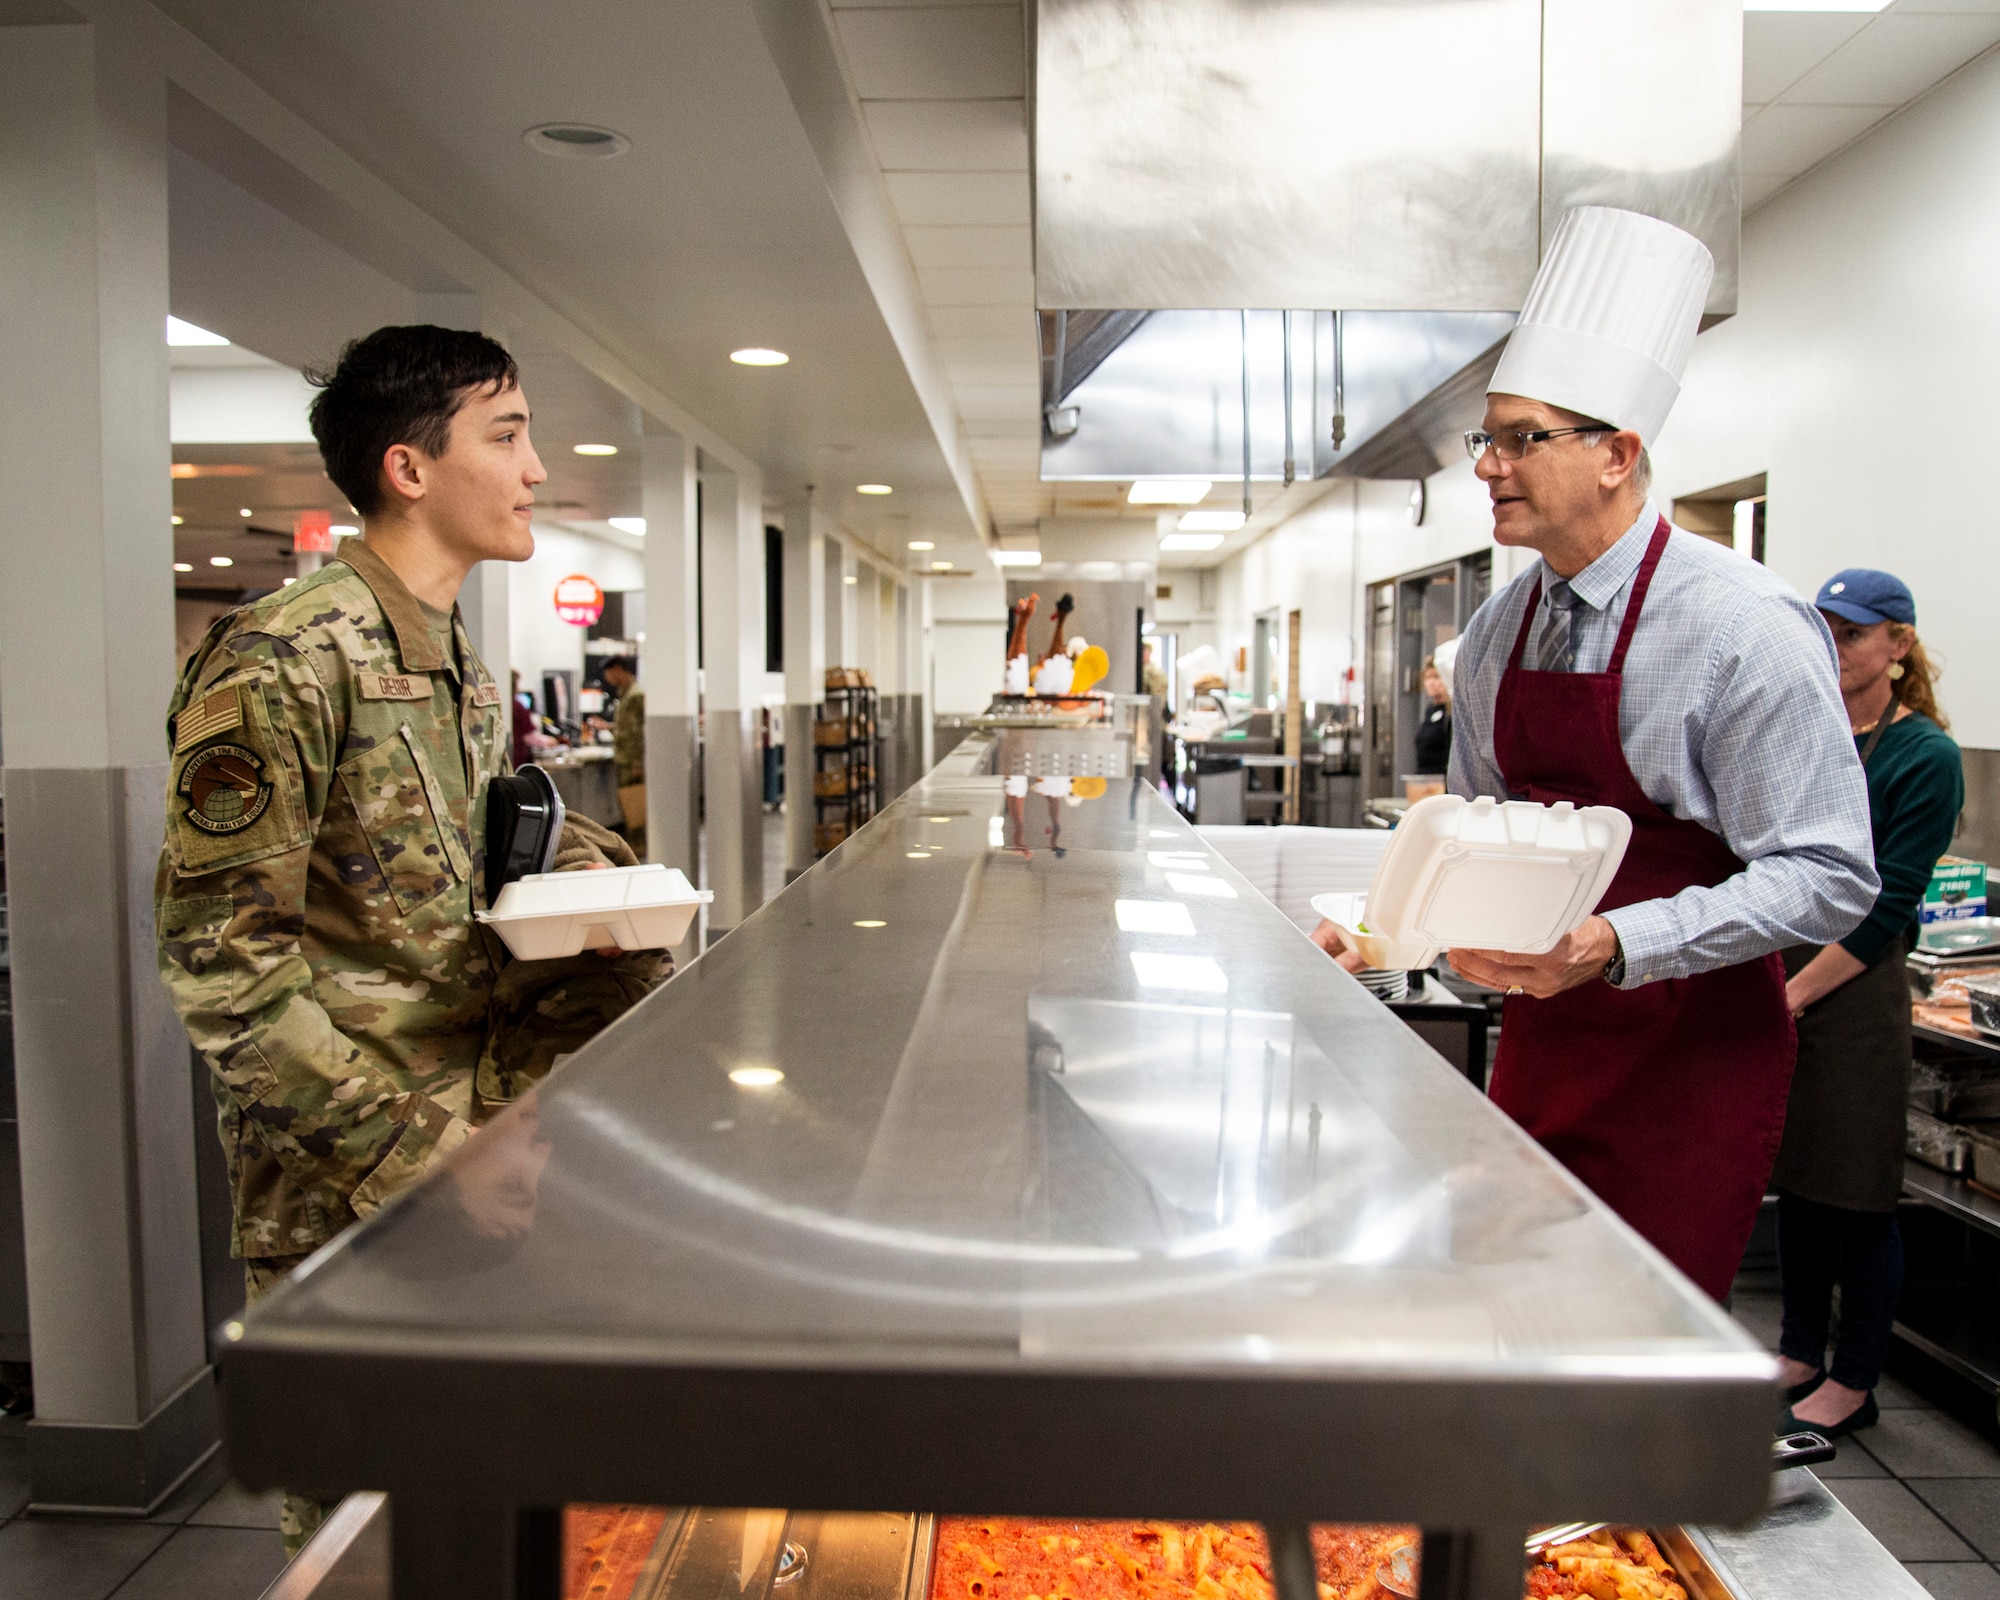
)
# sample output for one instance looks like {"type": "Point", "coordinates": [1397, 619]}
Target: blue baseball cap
{"type": "Point", "coordinates": [1861, 594]}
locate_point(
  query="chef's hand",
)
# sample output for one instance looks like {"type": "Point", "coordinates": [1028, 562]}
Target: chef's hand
{"type": "Point", "coordinates": [1581, 957]}
{"type": "Point", "coordinates": [1327, 937]}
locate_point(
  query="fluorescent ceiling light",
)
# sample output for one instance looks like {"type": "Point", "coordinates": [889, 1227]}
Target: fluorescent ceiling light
{"type": "Point", "coordinates": [1210, 522]}
{"type": "Point", "coordinates": [1017, 558]}
{"type": "Point", "coordinates": [342, 530]}
{"type": "Point", "coordinates": [183, 566]}
{"type": "Point", "coordinates": [1191, 541]}
{"type": "Point", "coordinates": [1814, 5]}
{"type": "Point", "coordinates": [633, 525]}
{"type": "Point", "coordinates": [1154, 916]}
{"type": "Point", "coordinates": [923, 544]}
{"type": "Point", "coordinates": [758, 356]}
{"type": "Point", "coordinates": [178, 521]}
{"type": "Point", "coordinates": [220, 561]}
{"type": "Point", "coordinates": [850, 578]}
{"type": "Point", "coordinates": [179, 332]}
{"type": "Point", "coordinates": [246, 512]}
{"type": "Point", "coordinates": [756, 1077]}
{"type": "Point", "coordinates": [940, 566]}
{"type": "Point", "coordinates": [1201, 974]}
{"type": "Point", "coordinates": [597, 449]}
{"type": "Point", "coordinates": [873, 488]}
{"type": "Point", "coordinates": [1169, 492]}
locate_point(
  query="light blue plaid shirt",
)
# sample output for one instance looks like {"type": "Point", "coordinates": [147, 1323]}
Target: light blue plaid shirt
{"type": "Point", "coordinates": [1731, 717]}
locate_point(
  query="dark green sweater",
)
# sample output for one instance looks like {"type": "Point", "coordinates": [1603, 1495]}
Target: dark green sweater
{"type": "Point", "coordinates": [1916, 788]}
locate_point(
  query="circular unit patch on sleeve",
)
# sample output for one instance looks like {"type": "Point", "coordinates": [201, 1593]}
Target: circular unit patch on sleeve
{"type": "Point", "coordinates": [225, 788]}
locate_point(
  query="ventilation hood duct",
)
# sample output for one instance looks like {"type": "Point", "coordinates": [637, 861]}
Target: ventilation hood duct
{"type": "Point", "coordinates": [1371, 155]}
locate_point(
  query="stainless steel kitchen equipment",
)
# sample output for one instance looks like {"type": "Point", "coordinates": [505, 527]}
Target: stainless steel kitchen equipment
{"type": "Point", "coordinates": [1017, 1157]}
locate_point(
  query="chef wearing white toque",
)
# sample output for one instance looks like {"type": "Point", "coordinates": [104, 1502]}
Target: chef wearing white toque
{"type": "Point", "coordinates": [1648, 669]}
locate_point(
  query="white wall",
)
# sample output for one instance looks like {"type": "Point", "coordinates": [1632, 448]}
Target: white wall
{"type": "Point", "coordinates": [968, 639]}
{"type": "Point", "coordinates": [1322, 561]}
{"type": "Point", "coordinates": [540, 640]}
{"type": "Point", "coordinates": [1859, 374]}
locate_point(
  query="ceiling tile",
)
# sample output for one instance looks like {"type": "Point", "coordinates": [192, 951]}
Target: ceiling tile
{"type": "Point", "coordinates": [978, 286]}
{"type": "Point", "coordinates": [934, 52]}
{"type": "Point", "coordinates": [970, 247]}
{"type": "Point", "coordinates": [1760, 186]}
{"type": "Point", "coordinates": [1780, 47]}
{"type": "Point", "coordinates": [949, 135]}
{"type": "Point", "coordinates": [965, 198]}
{"type": "Point", "coordinates": [972, 374]}
{"type": "Point", "coordinates": [1792, 138]}
{"type": "Point", "coordinates": [1895, 60]}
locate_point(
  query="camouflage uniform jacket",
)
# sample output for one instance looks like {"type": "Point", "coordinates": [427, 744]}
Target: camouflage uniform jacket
{"type": "Point", "coordinates": [325, 829]}
{"type": "Point", "coordinates": [628, 737]}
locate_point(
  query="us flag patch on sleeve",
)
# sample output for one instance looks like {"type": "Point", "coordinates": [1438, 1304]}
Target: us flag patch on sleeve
{"type": "Point", "coordinates": [205, 718]}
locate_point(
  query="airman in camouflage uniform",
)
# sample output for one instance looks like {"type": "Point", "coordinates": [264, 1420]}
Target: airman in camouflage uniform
{"type": "Point", "coordinates": [331, 745]}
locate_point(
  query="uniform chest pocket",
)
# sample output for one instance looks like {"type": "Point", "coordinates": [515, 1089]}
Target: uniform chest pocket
{"type": "Point", "coordinates": [401, 810]}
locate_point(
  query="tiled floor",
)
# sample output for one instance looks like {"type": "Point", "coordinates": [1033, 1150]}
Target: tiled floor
{"type": "Point", "coordinates": [1925, 1480]}
{"type": "Point", "coordinates": [210, 1541]}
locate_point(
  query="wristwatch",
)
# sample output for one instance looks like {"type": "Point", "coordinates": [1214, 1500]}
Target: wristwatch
{"type": "Point", "coordinates": [1614, 969]}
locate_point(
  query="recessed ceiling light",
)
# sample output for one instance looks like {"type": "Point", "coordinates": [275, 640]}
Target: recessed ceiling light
{"type": "Point", "coordinates": [870, 922]}
{"type": "Point", "coordinates": [756, 1077]}
{"type": "Point", "coordinates": [1169, 491]}
{"type": "Point", "coordinates": [597, 449]}
{"type": "Point", "coordinates": [757, 356]}
{"type": "Point", "coordinates": [183, 566]}
{"type": "Point", "coordinates": [850, 578]}
{"type": "Point", "coordinates": [246, 512]}
{"type": "Point", "coordinates": [575, 139]}
{"type": "Point", "coordinates": [1017, 558]}
{"type": "Point", "coordinates": [873, 488]}
{"type": "Point", "coordinates": [186, 333]}
{"type": "Point", "coordinates": [632, 525]}
{"type": "Point", "coordinates": [940, 566]}
{"type": "Point", "coordinates": [220, 561]}
{"type": "Point", "coordinates": [1191, 541]}
{"type": "Point", "coordinates": [1210, 522]}
{"type": "Point", "coordinates": [923, 544]}
{"type": "Point", "coordinates": [177, 522]}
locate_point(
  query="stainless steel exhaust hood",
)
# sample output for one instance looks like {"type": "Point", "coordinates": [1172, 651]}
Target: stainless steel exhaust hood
{"type": "Point", "coordinates": [1394, 155]}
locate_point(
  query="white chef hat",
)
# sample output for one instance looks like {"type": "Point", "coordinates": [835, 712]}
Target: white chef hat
{"type": "Point", "coordinates": [1611, 319]}
{"type": "Point", "coordinates": [1444, 658]}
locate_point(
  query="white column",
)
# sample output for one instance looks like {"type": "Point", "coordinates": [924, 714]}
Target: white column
{"type": "Point", "coordinates": [805, 674]}
{"type": "Point", "coordinates": [668, 658]}
{"type": "Point", "coordinates": [924, 643]}
{"type": "Point", "coordinates": [732, 534]}
{"type": "Point", "coordinates": [125, 1402]}
{"type": "Point", "coordinates": [839, 614]}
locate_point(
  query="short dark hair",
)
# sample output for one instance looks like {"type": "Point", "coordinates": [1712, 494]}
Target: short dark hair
{"type": "Point", "coordinates": [623, 663]}
{"type": "Point", "coordinates": [398, 386]}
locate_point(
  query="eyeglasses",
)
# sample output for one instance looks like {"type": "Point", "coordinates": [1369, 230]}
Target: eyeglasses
{"type": "Point", "coordinates": [1510, 444]}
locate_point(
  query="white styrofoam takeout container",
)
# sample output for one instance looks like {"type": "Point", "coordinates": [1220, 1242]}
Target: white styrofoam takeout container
{"type": "Point", "coordinates": [548, 914]}
{"type": "Point", "coordinates": [1485, 874]}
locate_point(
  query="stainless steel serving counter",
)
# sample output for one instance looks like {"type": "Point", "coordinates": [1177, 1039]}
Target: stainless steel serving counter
{"type": "Point", "coordinates": [1017, 1158]}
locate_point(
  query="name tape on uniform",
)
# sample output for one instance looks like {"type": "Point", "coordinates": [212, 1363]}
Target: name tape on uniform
{"type": "Point", "coordinates": [205, 718]}
{"type": "Point", "coordinates": [486, 694]}
{"type": "Point", "coordinates": [402, 686]}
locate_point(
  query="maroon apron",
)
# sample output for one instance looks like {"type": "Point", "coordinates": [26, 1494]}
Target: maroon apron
{"type": "Point", "coordinates": [1667, 1100]}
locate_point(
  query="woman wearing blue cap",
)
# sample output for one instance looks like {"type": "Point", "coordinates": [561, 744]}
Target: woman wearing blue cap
{"type": "Point", "coordinates": [1840, 1168]}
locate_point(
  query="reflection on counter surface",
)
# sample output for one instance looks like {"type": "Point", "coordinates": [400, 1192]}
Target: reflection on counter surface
{"type": "Point", "coordinates": [995, 1135]}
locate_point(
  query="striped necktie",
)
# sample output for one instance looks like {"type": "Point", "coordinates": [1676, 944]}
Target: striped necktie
{"type": "Point", "coordinates": [1557, 650]}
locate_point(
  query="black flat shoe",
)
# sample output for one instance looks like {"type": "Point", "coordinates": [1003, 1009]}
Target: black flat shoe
{"type": "Point", "coordinates": [1865, 1415]}
{"type": "Point", "coordinates": [1799, 1391]}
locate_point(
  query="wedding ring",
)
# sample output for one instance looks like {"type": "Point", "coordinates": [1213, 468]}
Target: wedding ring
{"type": "Point", "coordinates": [1517, 989]}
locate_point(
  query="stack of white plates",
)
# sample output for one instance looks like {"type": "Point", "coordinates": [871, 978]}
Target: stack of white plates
{"type": "Point", "coordinates": [1387, 986]}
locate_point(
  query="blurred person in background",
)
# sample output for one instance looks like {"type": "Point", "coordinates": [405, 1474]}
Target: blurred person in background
{"type": "Point", "coordinates": [1840, 1167]}
{"type": "Point", "coordinates": [1434, 726]}
{"type": "Point", "coordinates": [628, 746]}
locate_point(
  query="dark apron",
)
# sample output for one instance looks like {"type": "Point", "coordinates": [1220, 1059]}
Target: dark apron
{"type": "Point", "coordinates": [1667, 1100]}
{"type": "Point", "coordinates": [1844, 1122]}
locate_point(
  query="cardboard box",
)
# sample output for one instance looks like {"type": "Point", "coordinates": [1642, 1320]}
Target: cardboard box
{"type": "Point", "coordinates": [1957, 890]}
